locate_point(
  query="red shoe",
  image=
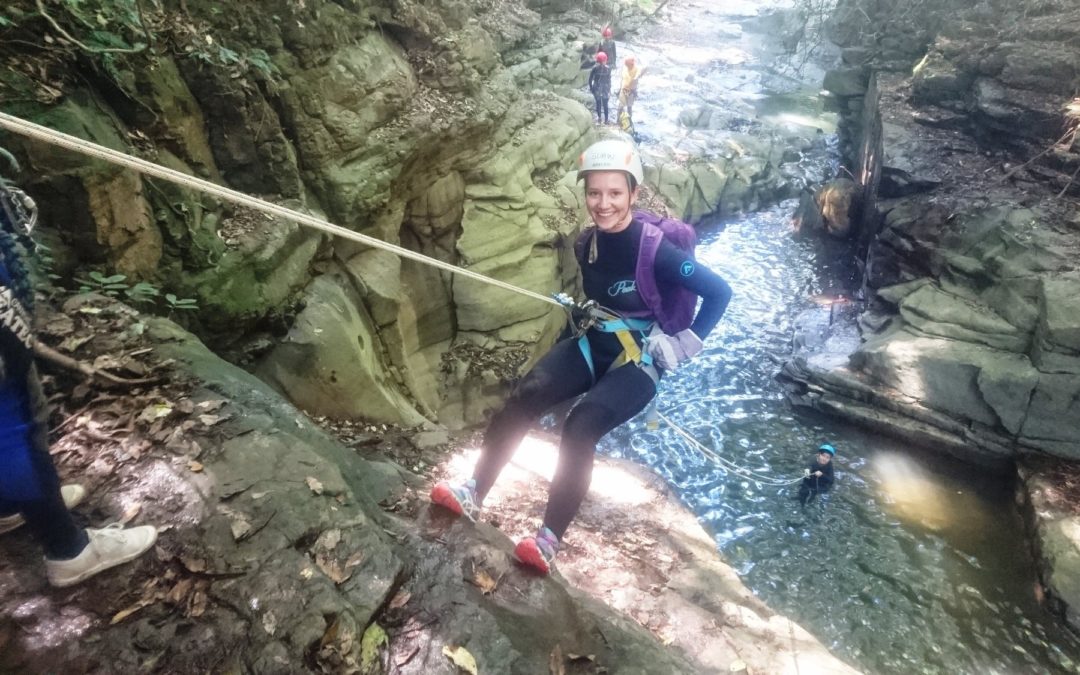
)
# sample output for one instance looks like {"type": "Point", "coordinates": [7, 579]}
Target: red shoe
{"type": "Point", "coordinates": [538, 552]}
{"type": "Point", "coordinates": [459, 499]}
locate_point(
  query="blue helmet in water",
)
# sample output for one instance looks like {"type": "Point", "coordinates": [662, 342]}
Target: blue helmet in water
{"type": "Point", "coordinates": [825, 447]}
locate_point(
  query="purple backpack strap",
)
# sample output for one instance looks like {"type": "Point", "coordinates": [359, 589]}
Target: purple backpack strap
{"type": "Point", "coordinates": [644, 275]}
{"type": "Point", "coordinates": [673, 306]}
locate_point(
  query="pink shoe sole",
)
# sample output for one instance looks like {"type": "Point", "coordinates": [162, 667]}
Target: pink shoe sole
{"type": "Point", "coordinates": [442, 495]}
{"type": "Point", "coordinates": [528, 553]}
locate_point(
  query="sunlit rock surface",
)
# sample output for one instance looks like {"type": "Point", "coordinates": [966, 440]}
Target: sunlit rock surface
{"type": "Point", "coordinates": [283, 551]}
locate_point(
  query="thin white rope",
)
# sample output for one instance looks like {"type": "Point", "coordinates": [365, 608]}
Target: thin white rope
{"type": "Point", "coordinates": [75, 144]}
{"type": "Point", "coordinates": [733, 467]}
{"type": "Point", "coordinates": [53, 137]}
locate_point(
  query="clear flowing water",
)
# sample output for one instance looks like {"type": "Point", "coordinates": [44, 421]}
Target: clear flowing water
{"type": "Point", "coordinates": [915, 563]}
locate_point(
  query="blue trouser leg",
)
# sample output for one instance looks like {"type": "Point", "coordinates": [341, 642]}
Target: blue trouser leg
{"type": "Point", "coordinates": [30, 484]}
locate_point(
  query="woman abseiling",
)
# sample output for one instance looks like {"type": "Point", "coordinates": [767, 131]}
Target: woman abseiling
{"type": "Point", "coordinates": [615, 388]}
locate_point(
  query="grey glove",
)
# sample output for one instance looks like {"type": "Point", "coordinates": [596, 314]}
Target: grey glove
{"type": "Point", "coordinates": [668, 351]}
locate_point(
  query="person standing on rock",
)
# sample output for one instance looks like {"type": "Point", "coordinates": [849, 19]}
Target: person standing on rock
{"type": "Point", "coordinates": [818, 475]}
{"type": "Point", "coordinates": [607, 46]}
{"type": "Point", "coordinates": [628, 92]}
{"type": "Point", "coordinates": [30, 491]}
{"type": "Point", "coordinates": [600, 86]}
{"type": "Point", "coordinates": [615, 386]}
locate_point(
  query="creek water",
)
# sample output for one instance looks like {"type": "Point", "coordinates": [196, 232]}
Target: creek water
{"type": "Point", "coordinates": [914, 563]}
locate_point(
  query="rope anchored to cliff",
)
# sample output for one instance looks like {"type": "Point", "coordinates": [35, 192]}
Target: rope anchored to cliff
{"type": "Point", "coordinates": [60, 139]}
{"type": "Point", "coordinates": [90, 149]}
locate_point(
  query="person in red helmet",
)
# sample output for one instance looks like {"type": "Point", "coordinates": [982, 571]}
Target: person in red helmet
{"type": "Point", "coordinates": [607, 45]}
{"type": "Point", "coordinates": [600, 86]}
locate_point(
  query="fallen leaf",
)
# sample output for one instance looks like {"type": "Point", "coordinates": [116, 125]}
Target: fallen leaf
{"type": "Point", "coordinates": [211, 406]}
{"type": "Point", "coordinates": [197, 605]}
{"type": "Point", "coordinates": [74, 342]}
{"type": "Point", "coordinates": [130, 513]}
{"type": "Point", "coordinates": [328, 540]}
{"type": "Point", "coordinates": [125, 613]}
{"type": "Point", "coordinates": [461, 658]}
{"type": "Point", "coordinates": [484, 582]}
{"type": "Point", "coordinates": [400, 599]}
{"type": "Point", "coordinates": [240, 527]}
{"type": "Point", "coordinates": [196, 467]}
{"type": "Point", "coordinates": [314, 484]}
{"type": "Point", "coordinates": [331, 567]}
{"type": "Point", "coordinates": [354, 560]}
{"type": "Point", "coordinates": [210, 420]}
{"type": "Point", "coordinates": [180, 591]}
{"type": "Point", "coordinates": [192, 564]}
{"type": "Point", "coordinates": [154, 412]}
{"type": "Point", "coordinates": [375, 637]}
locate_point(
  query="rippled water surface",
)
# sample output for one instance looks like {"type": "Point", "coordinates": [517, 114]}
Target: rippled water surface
{"type": "Point", "coordinates": [915, 563]}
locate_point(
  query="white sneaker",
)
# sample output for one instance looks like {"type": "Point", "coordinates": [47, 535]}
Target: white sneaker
{"type": "Point", "coordinates": [110, 546]}
{"type": "Point", "coordinates": [72, 494]}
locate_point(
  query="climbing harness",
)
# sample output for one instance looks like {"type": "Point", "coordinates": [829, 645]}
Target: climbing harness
{"type": "Point", "coordinates": [591, 316]}
{"type": "Point", "coordinates": [583, 316]}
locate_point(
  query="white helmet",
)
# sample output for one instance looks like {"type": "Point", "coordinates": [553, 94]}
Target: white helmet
{"type": "Point", "coordinates": [611, 155]}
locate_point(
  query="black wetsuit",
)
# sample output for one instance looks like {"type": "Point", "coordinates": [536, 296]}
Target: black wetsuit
{"type": "Point", "coordinates": [600, 86]}
{"type": "Point", "coordinates": [814, 485]}
{"type": "Point", "coordinates": [617, 394]}
{"type": "Point", "coordinates": [29, 484]}
{"type": "Point", "coordinates": [608, 47]}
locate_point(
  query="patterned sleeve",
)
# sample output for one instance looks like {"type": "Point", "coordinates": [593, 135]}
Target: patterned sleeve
{"type": "Point", "coordinates": [16, 335]}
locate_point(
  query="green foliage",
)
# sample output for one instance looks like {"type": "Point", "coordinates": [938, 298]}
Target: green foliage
{"type": "Point", "coordinates": [254, 59]}
{"type": "Point", "coordinates": [107, 24]}
{"type": "Point", "coordinates": [110, 286]}
{"type": "Point", "coordinates": [142, 293]}
{"type": "Point", "coordinates": [175, 303]}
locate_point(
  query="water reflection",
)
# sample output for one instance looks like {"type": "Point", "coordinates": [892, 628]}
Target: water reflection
{"type": "Point", "coordinates": [915, 563]}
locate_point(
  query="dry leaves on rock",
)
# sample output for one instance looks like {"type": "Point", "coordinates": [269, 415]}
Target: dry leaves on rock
{"type": "Point", "coordinates": [400, 599]}
{"type": "Point", "coordinates": [329, 562]}
{"type": "Point", "coordinates": [484, 581]}
{"type": "Point", "coordinates": [461, 658]}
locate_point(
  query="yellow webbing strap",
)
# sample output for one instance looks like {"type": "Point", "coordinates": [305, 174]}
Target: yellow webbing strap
{"type": "Point", "coordinates": [631, 351]}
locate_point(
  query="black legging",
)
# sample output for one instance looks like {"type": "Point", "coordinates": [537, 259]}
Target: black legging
{"type": "Point", "coordinates": [560, 375]}
{"type": "Point", "coordinates": [601, 102]}
{"type": "Point", "coordinates": [46, 516]}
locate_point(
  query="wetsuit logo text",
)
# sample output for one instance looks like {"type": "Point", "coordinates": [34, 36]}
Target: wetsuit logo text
{"type": "Point", "coordinates": [623, 286]}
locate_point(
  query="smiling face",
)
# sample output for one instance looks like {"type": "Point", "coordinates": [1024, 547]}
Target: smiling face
{"type": "Point", "coordinates": [609, 199]}
{"type": "Point", "coordinates": [824, 458]}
